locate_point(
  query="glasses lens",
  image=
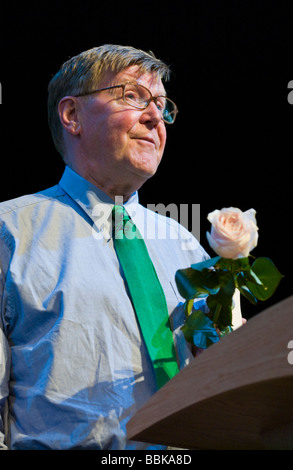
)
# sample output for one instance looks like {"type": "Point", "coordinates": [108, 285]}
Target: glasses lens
{"type": "Point", "coordinates": [136, 95]}
{"type": "Point", "coordinates": [170, 111]}
{"type": "Point", "coordinates": [139, 97]}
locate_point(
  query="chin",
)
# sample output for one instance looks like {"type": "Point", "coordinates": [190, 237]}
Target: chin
{"type": "Point", "coordinates": [148, 166]}
{"type": "Point", "coordinates": [146, 173]}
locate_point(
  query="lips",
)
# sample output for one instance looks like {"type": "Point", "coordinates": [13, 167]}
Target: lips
{"type": "Point", "coordinates": [147, 138]}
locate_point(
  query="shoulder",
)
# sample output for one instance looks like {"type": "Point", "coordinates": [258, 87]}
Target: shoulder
{"type": "Point", "coordinates": [19, 204]}
{"type": "Point", "coordinates": [21, 216]}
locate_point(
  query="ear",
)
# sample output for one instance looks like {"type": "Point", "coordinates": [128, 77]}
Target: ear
{"type": "Point", "coordinates": [68, 113]}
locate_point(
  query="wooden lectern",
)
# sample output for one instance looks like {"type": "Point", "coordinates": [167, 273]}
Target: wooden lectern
{"type": "Point", "coordinates": [238, 394]}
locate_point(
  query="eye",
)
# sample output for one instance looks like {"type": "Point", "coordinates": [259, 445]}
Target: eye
{"type": "Point", "coordinates": [161, 103]}
{"type": "Point", "coordinates": [136, 95]}
{"type": "Point", "coordinates": [131, 95]}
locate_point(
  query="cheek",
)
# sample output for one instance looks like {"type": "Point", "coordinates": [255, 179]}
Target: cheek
{"type": "Point", "coordinates": [163, 137]}
{"type": "Point", "coordinates": [118, 127]}
{"type": "Point", "coordinates": [92, 130]}
{"type": "Point", "coordinates": [109, 135]}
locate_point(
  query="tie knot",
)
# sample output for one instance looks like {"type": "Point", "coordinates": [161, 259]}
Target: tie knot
{"type": "Point", "coordinates": [119, 215]}
{"type": "Point", "coordinates": [119, 218]}
{"type": "Point", "coordinates": [123, 226]}
{"type": "Point", "coordinates": [119, 211]}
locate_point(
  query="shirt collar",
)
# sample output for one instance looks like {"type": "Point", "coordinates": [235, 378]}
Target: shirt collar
{"type": "Point", "coordinates": [97, 204]}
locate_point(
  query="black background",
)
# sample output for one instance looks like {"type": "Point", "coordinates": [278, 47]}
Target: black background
{"type": "Point", "coordinates": [232, 142]}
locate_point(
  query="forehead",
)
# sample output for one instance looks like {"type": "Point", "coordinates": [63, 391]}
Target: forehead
{"type": "Point", "coordinates": [134, 74]}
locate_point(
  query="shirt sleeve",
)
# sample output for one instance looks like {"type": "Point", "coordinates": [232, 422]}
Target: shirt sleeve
{"type": "Point", "coordinates": [5, 362]}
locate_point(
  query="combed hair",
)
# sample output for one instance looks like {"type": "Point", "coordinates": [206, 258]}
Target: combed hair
{"type": "Point", "coordinates": [83, 72]}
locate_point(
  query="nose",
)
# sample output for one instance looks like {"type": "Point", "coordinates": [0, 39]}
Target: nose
{"type": "Point", "coordinates": [151, 115]}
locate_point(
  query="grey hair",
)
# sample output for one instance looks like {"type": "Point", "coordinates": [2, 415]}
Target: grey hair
{"type": "Point", "coordinates": [82, 73]}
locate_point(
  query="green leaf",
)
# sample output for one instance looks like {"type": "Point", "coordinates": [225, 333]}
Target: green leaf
{"type": "Point", "coordinates": [199, 330]}
{"type": "Point", "coordinates": [194, 284]}
{"type": "Point", "coordinates": [209, 263]}
{"type": "Point", "coordinates": [225, 317]}
{"type": "Point", "coordinates": [247, 294]}
{"type": "Point", "coordinates": [241, 279]}
{"type": "Point", "coordinates": [227, 284]}
{"type": "Point", "coordinates": [249, 275]}
{"type": "Point", "coordinates": [226, 331]}
{"type": "Point", "coordinates": [233, 264]}
{"type": "Point", "coordinates": [268, 274]}
{"type": "Point", "coordinates": [223, 298]}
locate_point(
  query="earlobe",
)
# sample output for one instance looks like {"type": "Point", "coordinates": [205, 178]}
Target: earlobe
{"type": "Point", "coordinates": [68, 114]}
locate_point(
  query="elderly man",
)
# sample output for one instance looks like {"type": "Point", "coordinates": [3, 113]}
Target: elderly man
{"type": "Point", "coordinates": [80, 347]}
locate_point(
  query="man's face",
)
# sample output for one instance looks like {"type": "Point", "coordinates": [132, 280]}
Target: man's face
{"type": "Point", "coordinates": [119, 140]}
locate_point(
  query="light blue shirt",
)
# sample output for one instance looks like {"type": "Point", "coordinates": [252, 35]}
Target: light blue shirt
{"type": "Point", "coordinates": [73, 365]}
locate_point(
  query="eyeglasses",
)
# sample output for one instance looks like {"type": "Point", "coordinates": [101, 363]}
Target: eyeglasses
{"type": "Point", "coordinates": [139, 97]}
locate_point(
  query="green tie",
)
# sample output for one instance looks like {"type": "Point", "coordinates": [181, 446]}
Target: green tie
{"type": "Point", "coordinates": [147, 295]}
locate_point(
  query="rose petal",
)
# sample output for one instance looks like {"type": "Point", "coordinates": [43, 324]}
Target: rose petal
{"type": "Point", "coordinates": [234, 233]}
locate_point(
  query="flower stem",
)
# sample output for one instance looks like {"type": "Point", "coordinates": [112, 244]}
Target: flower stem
{"type": "Point", "coordinates": [217, 313]}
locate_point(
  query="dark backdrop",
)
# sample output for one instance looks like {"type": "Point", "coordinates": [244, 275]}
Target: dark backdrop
{"type": "Point", "coordinates": [232, 142]}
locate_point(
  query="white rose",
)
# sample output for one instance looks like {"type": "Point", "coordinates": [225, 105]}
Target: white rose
{"type": "Point", "coordinates": [234, 233]}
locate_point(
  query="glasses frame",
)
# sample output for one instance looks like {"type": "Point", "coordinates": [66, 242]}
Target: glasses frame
{"type": "Point", "coordinates": [152, 98]}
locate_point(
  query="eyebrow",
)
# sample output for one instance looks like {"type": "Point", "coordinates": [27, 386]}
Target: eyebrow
{"type": "Point", "coordinates": [127, 78]}
{"type": "Point", "coordinates": [124, 82]}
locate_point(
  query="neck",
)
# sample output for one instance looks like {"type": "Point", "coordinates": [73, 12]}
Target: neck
{"type": "Point", "coordinates": [108, 184]}
{"type": "Point", "coordinates": [111, 189]}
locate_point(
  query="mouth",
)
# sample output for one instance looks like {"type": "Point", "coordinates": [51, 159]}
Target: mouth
{"type": "Point", "coordinates": [148, 139]}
